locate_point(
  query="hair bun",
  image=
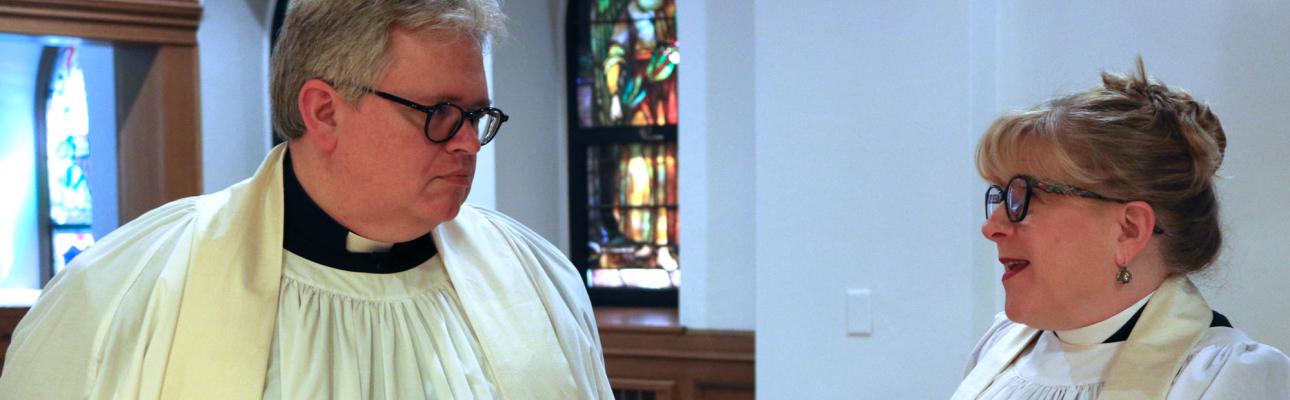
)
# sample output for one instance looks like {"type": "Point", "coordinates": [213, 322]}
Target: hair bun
{"type": "Point", "coordinates": [1190, 122]}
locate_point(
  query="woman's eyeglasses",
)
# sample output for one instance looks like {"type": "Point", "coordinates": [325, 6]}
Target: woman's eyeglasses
{"type": "Point", "coordinates": [1020, 189]}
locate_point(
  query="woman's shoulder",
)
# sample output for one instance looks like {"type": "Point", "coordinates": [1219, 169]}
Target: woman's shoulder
{"type": "Point", "coordinates": [1226, 363]}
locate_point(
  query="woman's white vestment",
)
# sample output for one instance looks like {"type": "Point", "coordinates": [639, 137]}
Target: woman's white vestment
{"type": "Point", "coordinates": [1173, 352]}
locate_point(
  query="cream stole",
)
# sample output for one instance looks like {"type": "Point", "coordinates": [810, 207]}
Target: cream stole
{"type": "Point", "coordinates": [230, 300]}
{"type": "Point", "coordinates": [1171, 324]}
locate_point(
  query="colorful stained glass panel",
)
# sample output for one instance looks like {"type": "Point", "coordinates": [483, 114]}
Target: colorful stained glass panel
{"type": "Point", "coordinates": [632, 215]}
{"type": "Point", "coordinates": [67, 142]}
{"type": "Point", "coordinates": [67, 157]}
{"type": "Point", "coordinates": [68, 244]}
{"type": "Point", "coordinates": [627, 66]}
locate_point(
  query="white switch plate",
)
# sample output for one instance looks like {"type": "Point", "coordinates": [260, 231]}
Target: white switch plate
{"type": "Point", "coordinates": [859, 312]}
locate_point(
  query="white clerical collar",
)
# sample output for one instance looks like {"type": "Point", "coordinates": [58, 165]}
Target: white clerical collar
{"type": "Point", "coordinates": [358, 244]}
{"type": "Point", "coordinates": [1098, 332]}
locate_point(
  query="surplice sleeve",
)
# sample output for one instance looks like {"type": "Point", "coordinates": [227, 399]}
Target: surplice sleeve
{"type": "Point", "coordinates": [93, 330]}
{"type": "Point", "coordinates": [565, 298]}
{"type": "Point", "coordinates": [1241, 370]}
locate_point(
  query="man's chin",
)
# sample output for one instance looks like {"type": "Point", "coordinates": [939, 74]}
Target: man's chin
{"type": "Point", "coordinates": [445, 213]}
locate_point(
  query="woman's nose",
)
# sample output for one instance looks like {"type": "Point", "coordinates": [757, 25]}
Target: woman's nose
{"type": "Point", "coordinates": [997, 226]}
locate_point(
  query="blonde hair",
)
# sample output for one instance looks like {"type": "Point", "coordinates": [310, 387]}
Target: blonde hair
{"type": "Point", "coordinates": [344, 41]}
{"type": "Point", "coordinates": [1131, 138]}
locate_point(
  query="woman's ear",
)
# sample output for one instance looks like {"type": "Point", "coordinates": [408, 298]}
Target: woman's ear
{"type": "Point", "coordinates": [1137, 222]}
{"type": "Point", "coordinates": [319, 102]}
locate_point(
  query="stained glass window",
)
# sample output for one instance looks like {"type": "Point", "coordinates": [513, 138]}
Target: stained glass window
{"type": "Point", "coordinates": [632, 222]}
{"type": "Point", "coordinates": [67, 158]}
{"type": "Point", "coordinates": [622, 143]}
{"type": "Point", "coordinates": [626, 70]}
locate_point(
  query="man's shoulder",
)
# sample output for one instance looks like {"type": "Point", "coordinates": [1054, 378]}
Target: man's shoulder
{"type": "Point", "coordinates": [553, 261]}
{"type": "Point", "coordinates": [138, 241]}
{"type": "Point", "coordinates": [509, 225]}
{"type": "Point", "coordinates": [169, 215]}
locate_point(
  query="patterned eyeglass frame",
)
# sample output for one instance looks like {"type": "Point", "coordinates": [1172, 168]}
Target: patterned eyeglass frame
{"type": "Point", "coordinates": [997, 195]}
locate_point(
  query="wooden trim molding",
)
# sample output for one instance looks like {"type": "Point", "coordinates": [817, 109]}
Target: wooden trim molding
{"type": "Point", "coordinates": [647, 350]}
{"type": "Point", "coordinates": [159, 140]}
{"type": "Point", "coordinates": [172, 22]}
{"type": "Point", "coordinates": [158, 104]}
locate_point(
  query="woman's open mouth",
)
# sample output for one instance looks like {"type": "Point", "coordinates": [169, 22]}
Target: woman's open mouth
{"type": "Point", "coordinates": [1013, 266]}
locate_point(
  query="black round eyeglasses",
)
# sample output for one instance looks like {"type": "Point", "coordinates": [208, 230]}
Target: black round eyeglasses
{"type": "Point", "coordinates": [443, 120]}
{"type": "Point", "coordinates": [1016, 197]}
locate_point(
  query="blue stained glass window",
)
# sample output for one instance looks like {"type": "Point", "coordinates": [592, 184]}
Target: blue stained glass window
{"type": "Point", "coordinates": [68, 243]}
{"type": "Point", "coordinates": [67, 147]}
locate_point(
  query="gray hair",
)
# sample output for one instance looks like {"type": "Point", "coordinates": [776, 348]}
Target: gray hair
{"type": "Point", "coordinates": [344, 41]}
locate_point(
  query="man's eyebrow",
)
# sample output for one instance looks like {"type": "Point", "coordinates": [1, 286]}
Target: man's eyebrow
{"type": "Point", "coordinates": [486, 102]}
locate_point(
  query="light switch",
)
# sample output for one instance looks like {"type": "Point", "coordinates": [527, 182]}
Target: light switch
{"type": "Point", "coordinates": [859, 313]}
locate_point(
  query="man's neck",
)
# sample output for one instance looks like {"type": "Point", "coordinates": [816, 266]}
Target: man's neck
{"type": "Point", "coordinates": [310, 233]}
{"type": "Point", "coordinates": [310, 170]}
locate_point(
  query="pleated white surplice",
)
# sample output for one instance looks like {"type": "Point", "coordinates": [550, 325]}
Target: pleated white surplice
{"type": "Point", "coordinates": [352, 335]}
{"type": "Point", "coordinates": [1225, 364]}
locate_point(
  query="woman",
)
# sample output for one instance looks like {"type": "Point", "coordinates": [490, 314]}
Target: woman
{"type": "Point", "coordinates": [1108, 205]}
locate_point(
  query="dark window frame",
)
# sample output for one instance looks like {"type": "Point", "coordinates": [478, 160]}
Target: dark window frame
{"type": "Point", "coordinates": [580, 139]}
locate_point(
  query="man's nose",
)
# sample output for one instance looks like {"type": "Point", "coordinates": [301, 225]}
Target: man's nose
{"type": "Point", "coordinates": [465, 141]}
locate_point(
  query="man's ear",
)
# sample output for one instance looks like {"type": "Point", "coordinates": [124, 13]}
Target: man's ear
{"type": "Point", "coordinates": [1137, 220]}
{"type": "Point", "coordinates": [319, 102]}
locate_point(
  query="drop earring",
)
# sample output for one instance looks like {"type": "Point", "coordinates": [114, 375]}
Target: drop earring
{"type": "Point", "coordinates": [1124, 276]}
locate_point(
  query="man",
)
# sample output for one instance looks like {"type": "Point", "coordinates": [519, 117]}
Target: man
{"type": "Point", "coordinates": [347, 267]}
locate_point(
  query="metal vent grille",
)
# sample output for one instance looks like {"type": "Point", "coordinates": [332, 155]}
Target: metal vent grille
{"type": "Point", "coordinates": [634, 394]}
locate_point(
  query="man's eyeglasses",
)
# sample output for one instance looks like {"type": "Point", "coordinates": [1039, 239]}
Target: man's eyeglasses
{"type": "Point", "coordinates": [1016, 196]}
{"type": "Point", "coordinates": [443, 120]}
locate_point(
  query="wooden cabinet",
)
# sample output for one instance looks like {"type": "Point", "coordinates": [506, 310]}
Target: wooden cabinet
{"type": "Point", "coordinates": [9, 318]}
{"type": "Point", "coordinates": [649, 356]}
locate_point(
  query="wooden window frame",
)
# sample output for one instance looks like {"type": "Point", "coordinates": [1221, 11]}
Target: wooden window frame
{"type": "Point", "coordinates": [159, 115]}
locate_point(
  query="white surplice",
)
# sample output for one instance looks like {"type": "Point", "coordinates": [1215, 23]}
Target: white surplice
{"type": "Point", "coordinates": [183, 303]}
{"type": "Point", "coordinates": [354, 335]}
{"type": "Point", "coordinates": [1222, 363]}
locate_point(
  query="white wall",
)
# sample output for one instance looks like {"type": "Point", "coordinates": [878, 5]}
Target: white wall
{"type": "Point", "coordinates": [528, 83]}
{"type": "Point", "coordinates": [19, 240]}
{"type": "Point", "coordinates": [1234, 56]}
{"type": "Point", "coordinates": [233, 41]}
{"type": "Point", "coordinates": [97, 61]}
{"type": "Point", "coordinates": [897, 96]}
{"type": "Point", "coordinates": [716, 166]}
{"type": "Point", "coordinates": [864, 180]}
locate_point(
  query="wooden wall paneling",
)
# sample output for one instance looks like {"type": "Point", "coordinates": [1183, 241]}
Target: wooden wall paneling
{"type": "Point", "coordinates": [182, 115]}
{"type": "Point", "coordinates": [9, 318]}
{"type": "Point", "coordinates": [724, 393]}
{"type": "Point", "coordinates": [700, 364]}
{"type": "Point", "coordinates": [141, 21]}
{"type": "Point", "coordinates": [637, 389]}
{"type": "Point", "coordinates": [158, 145]}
